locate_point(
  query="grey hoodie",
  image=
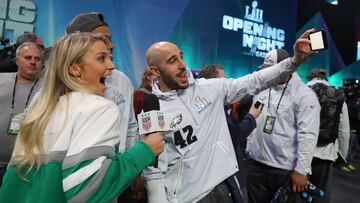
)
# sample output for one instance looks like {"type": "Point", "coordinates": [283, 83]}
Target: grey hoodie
{"type": "Point", "coordinates": [292, 142]}
{"type": "Point", "coordinates": [199, 153]}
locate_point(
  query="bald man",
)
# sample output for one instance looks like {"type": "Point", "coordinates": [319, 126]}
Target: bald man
{"type": "Point", "coordinates": [199, 154]}
{"type": "Point", "coordinates": [16, 92]}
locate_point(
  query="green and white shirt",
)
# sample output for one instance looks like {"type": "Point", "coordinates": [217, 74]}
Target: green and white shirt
{"type": "Point", "coordinates": [82, 163]}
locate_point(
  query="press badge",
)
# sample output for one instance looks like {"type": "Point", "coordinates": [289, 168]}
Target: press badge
{"type": "Point", "coordinates": [269, 124]}
{"type": "Point", "coordinates": [15, 123]}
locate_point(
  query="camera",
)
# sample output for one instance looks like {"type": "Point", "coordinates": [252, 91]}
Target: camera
{"type": "Point", "coordinates": [8, 51]}
{"type": "Point", "coordinates": [351, 89]}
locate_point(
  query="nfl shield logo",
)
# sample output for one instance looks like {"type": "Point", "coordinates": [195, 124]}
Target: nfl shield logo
{"type": "Point", "coordinates": [161, 121]}
{"type": "Point", "coordinates": [146, 122]}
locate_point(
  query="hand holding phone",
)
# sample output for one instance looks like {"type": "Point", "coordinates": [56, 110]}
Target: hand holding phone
{"type": "Point", "coordinates": [259, 104]}
{"type": "Point", "coordinates": [318, 40]}
{"type": "Point", "coordinates": [255, 110]}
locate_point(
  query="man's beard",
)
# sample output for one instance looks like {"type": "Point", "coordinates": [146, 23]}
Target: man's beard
{"type": "Point", "coordinates": [171, 82]}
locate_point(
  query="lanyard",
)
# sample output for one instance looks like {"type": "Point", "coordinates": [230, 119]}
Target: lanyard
{"type": "Point", "coordinates": [282, 94]}
{"type": "Point", "coordinates": [13, 96]}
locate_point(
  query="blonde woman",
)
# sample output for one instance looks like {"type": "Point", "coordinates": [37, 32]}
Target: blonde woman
{"type": "Point", "coordinates": [66, 149]}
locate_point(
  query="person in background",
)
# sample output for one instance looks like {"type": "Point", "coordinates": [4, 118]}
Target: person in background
{"type": "Point", "coordinates": [241, 123]}
{"type": "Point", "coordinates": [239, 130]}
{"type": "Point", "coordinates": [137, 194]}
{"type": "Point", "coordinates": [144, 89]}
{"type": "Point", "coordinates": [281, 147]}
{"type": "Point", "coordinates": [17, 91]}
{"type": "Point", "coordinates": [334, 120]}
{"type": "Point", "coordinates": [354, 114]}
{"type": "Point", "coordinates": [212, 71]}
{"type": "Point", "coordinates": [243, 114]}
{"type": "Point", "coordinates": [217, 71]}
{"type": "Point", "coordinates": [9, 63]}
{"type": "Point", "coordinates": [119, 89]}
{"type": "Point", "coordinates": [354, 144]}
{"type": "Point", "coordinates": [199, 154]}
{"type": "Point", "coordinates": [66, 147]}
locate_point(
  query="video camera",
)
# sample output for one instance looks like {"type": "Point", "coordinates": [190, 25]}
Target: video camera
{"type": "Point", "coordinates": [8, 51]}
{"type": "Point", "coordinates": [351, 88]}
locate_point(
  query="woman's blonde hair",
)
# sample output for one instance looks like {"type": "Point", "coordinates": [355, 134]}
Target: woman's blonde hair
{"type": "Point", "coordinates": [69, 50]}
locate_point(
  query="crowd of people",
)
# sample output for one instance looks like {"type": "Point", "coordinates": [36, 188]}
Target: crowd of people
{"type": "Point", "coordinates": [69, 133]}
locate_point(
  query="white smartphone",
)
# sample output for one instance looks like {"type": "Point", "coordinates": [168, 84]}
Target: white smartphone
{"type": "Point", "coordinates": [318, 40]}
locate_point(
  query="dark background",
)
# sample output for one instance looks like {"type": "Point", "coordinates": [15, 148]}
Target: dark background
{"type": "Point", "coordinates": [342, 20]}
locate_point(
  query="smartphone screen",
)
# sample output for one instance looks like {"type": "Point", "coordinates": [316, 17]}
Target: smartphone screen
{"type": "Point", "coordinates": [318, 40]}
{"type": "Point", "coordinates": [257, 104]}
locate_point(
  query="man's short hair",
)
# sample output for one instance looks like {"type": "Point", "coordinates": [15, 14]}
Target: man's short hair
{"type": "Point", "coordinates": [28, 44]}
{"type": "Point", "coordinates": [85, 22]}
{"type": "Point", "coordinates": [317, 73]}
{"type": "Point", "coordinates": [210, 71]}
{"type": "Point", "coordinates": [28, 37]}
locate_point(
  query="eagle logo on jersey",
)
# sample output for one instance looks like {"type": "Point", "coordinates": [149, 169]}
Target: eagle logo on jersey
{"type": "Point", "coordinates": [176, 121]}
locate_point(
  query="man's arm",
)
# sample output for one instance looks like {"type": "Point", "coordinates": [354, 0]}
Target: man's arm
{"type": "Point", "coordinates": [344, 131]}
{"type": "Point", "coordinates": [245, 126]}
{"type": "Point", "coordinates": [235, 89]}
{"type": "Point", "coordinates": [308, 123]}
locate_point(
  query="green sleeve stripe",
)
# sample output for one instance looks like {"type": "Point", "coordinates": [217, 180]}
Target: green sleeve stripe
{"type": "Point", "coordinates": [88, 154]}
{"type": "Point", "coordinates": [69, 171]}
{"type": "Point", "coordinates": [122, 172]}
{"type": "Point", "coordinates": [114, 176]}
{"type": "Point", "coordinates": [83, 191]}
{"type": "Point", "coordinates": [83, 173]}
{"type": "Point", "coordinates": [75, 190]}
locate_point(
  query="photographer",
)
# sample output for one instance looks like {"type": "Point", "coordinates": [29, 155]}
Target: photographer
{"type": "Point", "coordinates": [8, 64]}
